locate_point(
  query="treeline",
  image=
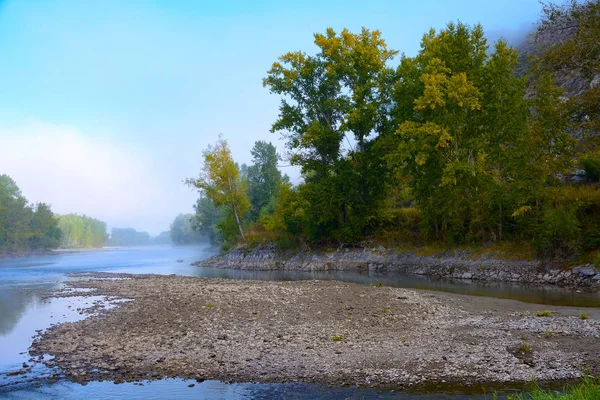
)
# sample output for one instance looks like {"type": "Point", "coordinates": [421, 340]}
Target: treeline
{"type": "Point", "coordinates": [184, 232]}
{"type": "Point", "coordinates": [455, 145]}
{"type": "Point", "coordinates": [131, 237]}
{"type": "Point", "coordinates": [81, 231]}
{"type": "Point", "coordinates": [24, 226]}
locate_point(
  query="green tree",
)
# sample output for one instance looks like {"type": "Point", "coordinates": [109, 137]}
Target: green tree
{"type": "Point", "coordinates": [570, 50]}
{"type": "Point", "coordinates": [340, 90]}
{"type": "Point", "coordinates": [182, 230]}
{"type": "Point", "coordinates": [263, 177]}
{"type": "Point", "coordinates": [45, 233]}
{"type": "Point", "coordinates": [14, 215]}
{"type": "Point", "coordinates": [220, 181]}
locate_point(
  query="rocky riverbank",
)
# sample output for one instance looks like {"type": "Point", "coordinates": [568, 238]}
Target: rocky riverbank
{"type": "Point", "coordinates": [455, 265]}
{"type": "Point", "coordinates": [26, 253]}
{"type": "Point", "coordinates": [315, 331]}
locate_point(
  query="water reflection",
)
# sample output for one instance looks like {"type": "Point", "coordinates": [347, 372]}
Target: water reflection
{"type": "Point", "coordinates": [541, 294]}
{"type": "Point", "coordinates": [13, 303]}
{"type": "Point", "coordinates": [179, 389]}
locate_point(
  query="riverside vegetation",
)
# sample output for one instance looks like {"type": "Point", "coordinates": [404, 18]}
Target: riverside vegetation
{"type": "Point", "coordinates": [462, 145]}
{"type": "Point", "coordinates": [33, 228]}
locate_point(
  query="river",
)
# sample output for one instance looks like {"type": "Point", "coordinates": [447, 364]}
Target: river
{"type": "Point", "coordinates": [24, 312]}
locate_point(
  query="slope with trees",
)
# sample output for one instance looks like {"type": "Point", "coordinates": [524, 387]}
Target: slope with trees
{"type": "Point", "coordinates": [463, 143]}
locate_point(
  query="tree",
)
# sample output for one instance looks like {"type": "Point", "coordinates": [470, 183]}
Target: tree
{"type": "Point", "coordinates": [570, 50]}
{"type": "Point", "coordinates": [45, 233]}
{"type": "Point", "coordinates": [14, 215]}
{"type": "Point", "coordinates": [263, 177]}
{"type": "Point", "coordinates": [441, 150]}
{"type": "Point", "coordinates": [82, 231]}
{"type": "Point", "coordinates": [342, 89]}
{"type": "Point", "coordinates": [182, 230]}
{"type": "Point", "coordinates": [24, 226]}
{"type": "Point", "coordinates": [221, 182]}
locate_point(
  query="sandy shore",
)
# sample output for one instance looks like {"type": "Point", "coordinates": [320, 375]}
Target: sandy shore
{"type": "Point", "coordinates": [316, 331]}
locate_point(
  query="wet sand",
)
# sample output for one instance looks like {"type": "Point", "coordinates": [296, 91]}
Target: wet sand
{"type": "Point", "coordinates": [324, 332]}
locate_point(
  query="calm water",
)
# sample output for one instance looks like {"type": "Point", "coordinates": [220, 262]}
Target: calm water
{"type": "Point", "coordinates": [23, 312]}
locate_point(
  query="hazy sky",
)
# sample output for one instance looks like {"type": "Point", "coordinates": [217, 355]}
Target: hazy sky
{"type": "Point", "coordinates": [106, 106]}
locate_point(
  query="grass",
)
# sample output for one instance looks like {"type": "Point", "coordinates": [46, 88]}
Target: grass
{"type": "Point", "coordinates": [209, 305]}
{"type": "Point", "coordinates": [548, 334]}
{"type": "Point", "coordinates": [337, 338]}
{"type": "Point", "coordinates": [385, 310]}
{"type": "Point", "coordinates": [525, 348]}
{"type": "Point", "coordinates": [545, 313]}
{"type": "Point", "coordinates": [587, 389]}
{"type": "Point", "coordinates": [583, 316]}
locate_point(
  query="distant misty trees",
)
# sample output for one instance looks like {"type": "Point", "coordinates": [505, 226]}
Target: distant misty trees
{"type": "Point", "coordinates": [81, 231]}
{"type": "Point", "coordinates": [131, 237]}
{"type": "Point", "coordinates": [24, 226]}
{"type": "Point", "coordinates": [183, 232]}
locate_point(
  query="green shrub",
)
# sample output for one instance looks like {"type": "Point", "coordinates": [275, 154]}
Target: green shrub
{"type": "Point", "coordinates": [559, 235]}
{"type": "Point", "coordinates": [591, 164]}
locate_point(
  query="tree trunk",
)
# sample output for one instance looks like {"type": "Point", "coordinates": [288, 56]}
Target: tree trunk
{"type": "Point", "coordinates": [237, 220]}
{"type": "Point", "coordinates": [500, 223]}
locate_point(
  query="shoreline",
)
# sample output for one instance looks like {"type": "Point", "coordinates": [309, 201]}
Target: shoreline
{"type": "Point", "coordinates": [28, 253]}
{"type": "Point", "coordinates": [454, 265]}
{"type": "Point", "coordinates": [322, 332]}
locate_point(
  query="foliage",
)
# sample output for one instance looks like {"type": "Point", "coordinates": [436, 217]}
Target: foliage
{"type": "Point", "coordinates": [568, 37]}
{"type": "Point", "coordinates": [591, 165]}
{"type": "Point", "coordinates": [545, 313]}
{"type": "Point", "coordinates": [24, 226]}
{"type": "Point", "coordinates": [341, 90]}
{"type": "Point", "coordinates": [183, 231]}
{"type": "Point", "coordinates": [455, 145]}
{"type": "Point", "coordinates": [559, 234]}
{"type": "Point", "coordinates": [81, 231]}
{"type": "Point", "coordinates": [588, 388]}
{"type": "Point", "coordinates": [221, 182]}
{"type": "Point", "coordinates": [207, 218]}
{"type": "Point", "coordinates": [263, 178]}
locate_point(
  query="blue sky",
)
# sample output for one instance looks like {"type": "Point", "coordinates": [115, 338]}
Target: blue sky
{"type": "Point", "coordinates": [139, 88]}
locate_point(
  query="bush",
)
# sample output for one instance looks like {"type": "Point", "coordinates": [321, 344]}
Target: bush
{"type": "Point", "coordinates": [559, 235]}
{"type": "Point", "coordinates": [591, 164]}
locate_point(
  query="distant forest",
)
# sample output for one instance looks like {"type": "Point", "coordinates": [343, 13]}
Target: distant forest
{"type": "Point", "coordinates": [24, 226]}
{"type": "Point", "coordinates": [131, 237]}
{"type": "Point", "coordinates": [466, 143]}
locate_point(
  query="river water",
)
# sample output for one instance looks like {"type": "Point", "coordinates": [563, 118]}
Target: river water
{"type": "Point", "coordinates": [23, 312]}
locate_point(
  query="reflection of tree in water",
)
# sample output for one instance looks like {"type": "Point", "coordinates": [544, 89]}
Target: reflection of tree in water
{"type": "Point", "coordinates": [13, 303]}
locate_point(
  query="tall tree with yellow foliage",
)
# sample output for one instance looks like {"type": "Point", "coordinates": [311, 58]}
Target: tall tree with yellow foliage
{"type": "Point", "coordinates": [220, 181]}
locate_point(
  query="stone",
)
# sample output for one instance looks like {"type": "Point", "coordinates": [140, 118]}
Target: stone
{"type": "Point", "coordinates": [587, 271]}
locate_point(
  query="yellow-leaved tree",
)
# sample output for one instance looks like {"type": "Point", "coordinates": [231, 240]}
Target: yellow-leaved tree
{"type": "Point", "coordinates": [221, 182]}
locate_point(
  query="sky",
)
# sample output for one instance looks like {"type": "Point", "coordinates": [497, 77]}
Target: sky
{"type": "Point", "coordinates": [106, 105]}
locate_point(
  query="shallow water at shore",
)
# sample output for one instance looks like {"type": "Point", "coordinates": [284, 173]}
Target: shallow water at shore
{"type": "Point", "coordinates": [23, 312]}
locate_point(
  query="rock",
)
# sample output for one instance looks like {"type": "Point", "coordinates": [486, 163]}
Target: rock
{"type": "Point", "coordinates": [587, 271]}
{"type": "Point", "coordinates": [191, 385]}
{"type": "Point", "coordinates": [596, 277]}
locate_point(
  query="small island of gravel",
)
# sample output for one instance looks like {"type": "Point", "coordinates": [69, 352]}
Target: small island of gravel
{"type": "Point", "coordinates": [316, 331]}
